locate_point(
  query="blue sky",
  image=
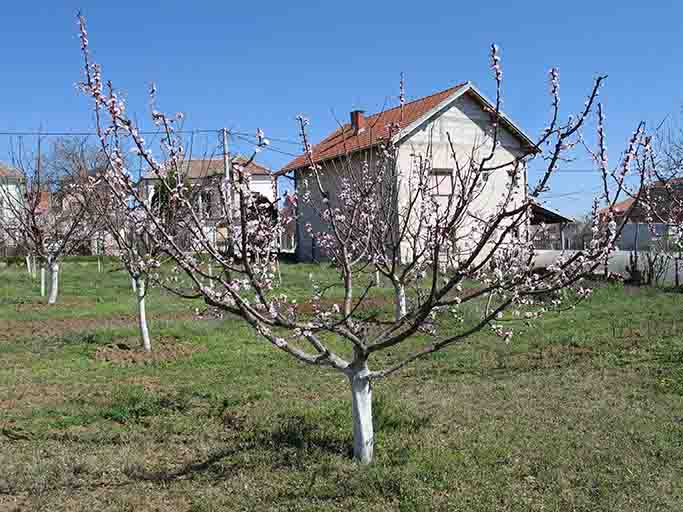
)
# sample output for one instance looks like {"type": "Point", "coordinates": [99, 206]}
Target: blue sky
{"type": "Point", "coordinates": [245, 65]}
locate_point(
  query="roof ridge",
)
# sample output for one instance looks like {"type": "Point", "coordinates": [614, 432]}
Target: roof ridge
{"type": "Point", "coordinates": [345, 126]}
{"type": "Point", "coordinates": [422, 98]}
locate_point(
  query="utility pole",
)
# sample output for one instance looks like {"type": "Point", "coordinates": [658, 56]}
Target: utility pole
{"type": "Point", "coordinates": [227, 186]}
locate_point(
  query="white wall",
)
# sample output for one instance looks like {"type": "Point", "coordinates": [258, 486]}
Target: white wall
{"type": "Point", "coordinates": [466, 123]}
{"type": "Point", "coordinates": [10, 191]}
{"type": "Point", "coordinates": [263, 185]}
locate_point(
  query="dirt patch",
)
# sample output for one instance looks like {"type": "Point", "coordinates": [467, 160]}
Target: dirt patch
{"type": "Point", "coordinates": [35, 395]}
{"type": "Point", "coordinates": [11, 503]}
{"type": "Point", "coordinates": [33, 304]}
{"type": "Point", "coordinates": [572, 349]}
{"type": "Point", "coordinates": [149, 384]}
{"type": "Point", "coordinates": [55, 327]}
{"type": "Point", "coordinates": [369, 304]}
{"type": "Point", "coordinates": [128, 352]}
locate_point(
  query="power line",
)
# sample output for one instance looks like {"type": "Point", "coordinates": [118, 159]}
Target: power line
{"type": "Point", "coordinates": [267, 148]}
{"type": "Point", "coordinates": [274, 139]}
{"type": "Point", "coordinates": [87, 134]}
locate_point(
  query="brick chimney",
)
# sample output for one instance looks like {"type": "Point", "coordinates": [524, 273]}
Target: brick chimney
{"type": "Point", "coordinates": [358, 121]}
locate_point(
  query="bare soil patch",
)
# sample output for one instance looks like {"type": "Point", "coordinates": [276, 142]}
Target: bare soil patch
{"type": "Point", "coordinates": [129, 352]}
{"type": "Point", "coordinates": [370, 303]}
{"type": "Point", "coordinates": [16, 329]}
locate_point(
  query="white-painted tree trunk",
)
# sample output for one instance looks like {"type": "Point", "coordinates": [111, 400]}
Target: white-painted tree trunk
{"type": "Point", "coordinates": [54, 282]}
{"type": "Point", "coordinates": [361, 405]}
{"type": "Point", "coordinates": [42, 280]}
{"type": "Point", "coordinates": [142, 314]}
{"type": "Point", "coordinates": [134, 284]}
{"type": "Point", "coordinates": [99, 263]}
{"type": "Point", "coordinates": [34, 265]}
{"type": "Point", "coordinates": [400, 300]}
{"type": "Point", "coordinates": [28, 264]}
{"type": "Point", "coordinates": [378, 279]}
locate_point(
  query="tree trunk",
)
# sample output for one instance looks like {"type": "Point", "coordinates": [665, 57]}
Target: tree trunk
{"type": "Point", "coordinates": [28, 264]}
{"type": "Point", "coordinates": [42, 280]}
{"type": "Point", "coordinates": [361, 404]}
{"type": "Point", "coordinates": [142, 315]}
{"type": "Point", "coordinates": [99, 264]}
{"type": "Point", "coordinates": [134, 284]}
{"type": "Point", "coordinates": [34, 264]}
{"type": "Point", "coordinates": [54, 282]}
{"type": "Point", "coordinates": [400, 300]}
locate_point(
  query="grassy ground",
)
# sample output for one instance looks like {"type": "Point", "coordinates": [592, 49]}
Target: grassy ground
{"type": "Point", "coordinates": [582, 411]}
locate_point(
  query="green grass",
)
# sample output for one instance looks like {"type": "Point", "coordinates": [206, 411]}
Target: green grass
{"type": "Point", "coordinates": [582, 411]}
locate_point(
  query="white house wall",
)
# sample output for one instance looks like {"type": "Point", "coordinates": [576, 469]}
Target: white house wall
{"type": "Point", "coordinates": [10, 192]}
{"type": "Point", "coordinates": [466, 123]}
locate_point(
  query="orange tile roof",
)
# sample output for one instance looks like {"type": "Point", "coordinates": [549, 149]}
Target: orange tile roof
{"type": "Point", "coordinates": [621, 206]}
{"type": "Point", "coordinates": [8, 172]}
{"type": "Point", "coordinates": [344, 140]}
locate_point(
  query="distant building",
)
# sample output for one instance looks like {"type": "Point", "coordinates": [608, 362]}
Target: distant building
{"type": "Point", "coordinates": [209, 174]}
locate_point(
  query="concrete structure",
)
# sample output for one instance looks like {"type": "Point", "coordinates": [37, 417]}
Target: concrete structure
{"type": "Point", "coordinates": [460, 112]}
{"type": "Point", "coordinates": [618, 263]}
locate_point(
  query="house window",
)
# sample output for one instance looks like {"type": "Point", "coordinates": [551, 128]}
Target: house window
{"type": "Point", "coordinates": [441, 182]}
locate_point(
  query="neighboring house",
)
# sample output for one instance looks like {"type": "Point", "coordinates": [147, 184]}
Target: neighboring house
{"type": "Point", "coordinates": [209, 175]}
{"type": "Point", "coordinates": [10, 191]}
{"type": "Point", "coordinates": [460, 111]}
{"type": "Point", "coordinates": [644, 225]}
{"type": "Point", "coordinates": [12, 197]}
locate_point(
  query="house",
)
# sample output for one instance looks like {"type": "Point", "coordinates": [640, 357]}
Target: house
{"type": "Point", "coordinates": [424, 124]}
{"type": "Point", "coordinates": [13, 204]}
{"type": "Point", "coordinates": [10, 191]}
{"type": "Point", "coordinates": [10, 197]}
{"type": "Point", "coordinates": [209, 174]}
{"type": "Point", "coordinates": [650, 220]}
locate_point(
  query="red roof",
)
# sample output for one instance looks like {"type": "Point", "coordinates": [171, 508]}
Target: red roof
{"type": "Point", "coordinates": [621, 206]}
{"type": "Point", "coordinates": [8, 172]}
{"type": "Point", "coordinates": [344, 140]}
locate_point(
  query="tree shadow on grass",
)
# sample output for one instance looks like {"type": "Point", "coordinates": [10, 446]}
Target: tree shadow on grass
{"type": "Point", "coordinates": [294, 441]}
{"type": "Point", "coordinates": [187, 471]}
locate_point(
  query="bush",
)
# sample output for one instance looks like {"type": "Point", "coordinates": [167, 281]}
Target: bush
{"type": "Point", "coordinates": [14, 261]}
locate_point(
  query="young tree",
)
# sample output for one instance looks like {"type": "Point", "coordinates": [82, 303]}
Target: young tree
{"type": "Point", "coordinates": [121, 223]}
{"type": "Point", "coordinates": [46, 217]}
{"type": "Point", "coordinates": [437, 247]}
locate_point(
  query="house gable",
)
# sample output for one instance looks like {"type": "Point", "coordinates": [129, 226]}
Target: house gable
{"type": "Point", "coordinates": [473, 104]}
